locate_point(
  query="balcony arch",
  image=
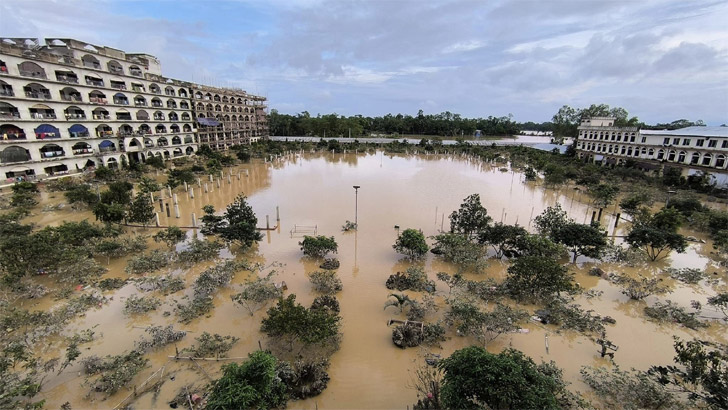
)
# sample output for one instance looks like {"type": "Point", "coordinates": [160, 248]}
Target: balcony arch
{"type": "Point", "coordinates": [6, 90]}
{"type": "Point", "coordinates": [171, 103]}
{"type": "Point", "coordinates": [140, 101]}
{"type": "Point", "coordinates": [226, 108]}
{"type": "Point", "coordinates": [144, 129]}
{"type": "Point", "coordinates": [107, 146]}
{"type": "Point", "coordinates": [104, 130]}
{"type": "Point", "coordinates": [208, 96]}
{"type": "Point", "coordinates": [188, 139]}
{"type": "Point", "coordinates": [189, 150]}
{"type": "Point", "coordinates": [8, 111]}
{"type": "Point", "coordinates": [681, 156]}
{"type": "Point", "coordinates": [173, 116]}
{"type": "Point", "coordinates": [10, 132]}
{"type": "Point", "coordinates": [121, 99]}
{"type": "Point", "coordinates": [177, 152]}
{"type": "Point", "coordinates": [234, 118]}
{"type": "Point", "coordinates": [111, 163]}
{"type": "Point", "coordinates": [35, 90]}
{"type": "Point", "coordinates": [81, 148]}
{"type": "Point", "coordinates": [123, 115]}
{"type": "Point", "coordinates": [74, 113]}
{"type": "Point", "coordinates": [174, 128]}
{"type": "Point", "coordinates": [209, 108]}
{"type": "Point", "coordinates": [142, 115]}
{"type": "Point", "coordinates": [158, 116]}
{"type": "Point", "coordinates": [200, 107]}
{"type": "Point", "coordinates": [176, 140]}
{"type": "Point", "coordinates": [660, 154]}
{"type": "Point", "coordinates": [97, 97]}
{"type": "Point", "coordinates": [14, 153]}
{"type": "Point", "coordinates": [115, 67]}
{"type": "Point", "coordinates": [162, 142]}
{"type": "Point", "coordinates": [100, 114]}
{"type": "Point", "coordinates": [135, 71]}
{"type": "Point", "coordinates": [160, 129]}
{"type": "Point", "coordinates": [41, 112]}
{"type": "Point", "coordinates": [78, 131]}
{"type": "Point", "coordinates": [154, 89]}
{"type": "Point", "coordinates": [134, 143]}
{"type": "Point", "coordinates": [198, 95]}
{"type": "Point", "coordinates": [186, 127]}
{"type": "Point", "coordinates": [216, 98]}
{"type": "Point", "coordinates": [94, 80]}
{"type": "Point", "coordinates": [166, 154]}
{"type": "Point", "coordinates": [66, 76]}
{"type": "Point", "coordinates": [156, 102]}
{"type": "Point", "coordinates": [226, 118]}
{"type": "Point", "coordinates": [240, 109]}
{"type": "Point", "coordinates": [240, 100]}
{"type": "Point", "coordinates": [148, 143]}
{"type": "Point", "coordinates": [45, 131]}
{"type": "Point", "coordinates": [218, 108]}
{"type": "Point", "coordinates": [225, 99]}
{"type": "Point", "coordinates": [70, 94]}
{"type": "Point", "coordinates": [169, 91]}
{"type": "Point", "coordinates": [184, 105]}
{"type": "Point", "coordinates": [695, 158]}
{"type": "Point", "coordinates": [31, 69]}
{"type": "Point", "coordinates": [125, 130]}
{"type": "Point", "coordinates": [182, 93]}
{"type": "Point", "coordinates": [51, 151]}
{"type": "Point", "coordinates": [90, 61]}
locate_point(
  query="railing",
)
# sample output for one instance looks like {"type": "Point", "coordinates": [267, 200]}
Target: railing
{"type": "Point", "coordinates": [123, 117]}
{"type": "Point", "coordinates": [32, 74]}
{"type": "Point", "coordinates": [83, 151]}
{"type": "Point", "coordinates": [138, 89]}
{"type": "Point", "coordinates": [12, 137]}
{"type": "Point", "coordinates": [136, 73]}
{"type": "Point", "coordinates": [92, 65]}
{"type": "Point", "coordinates": [116, 70]}
{"type": "Point", "coordinates": [68, 80]}
{"type": "Point", "coordinates": [7, 93]}
{"type": "Point", "coordinates": [102, 117]}
{"type": "Point", "coordinates": [155, 91]}
{"type": "Point", "coordinates": [76, 116]}
{"type": "Point", "coordinates": [37, 94]}
{"type": "Point", "coordinates": [140, 103]}
{"type": "Point", "coordinates": [95, 83]}
{"type": "Point", "coordinates": [121, 102]}
{"type": "Point", "coordinates": [97, 100]}
{"type": "Point", "coordinates": [9, 115]}
{"type": "Point", "coordinates": [154, 104]}
{"type": "Point", "coordinates": [158, 118]}
{"type": "Point", "coordinates": [52, 154]}
{"type": "Point", "coordinates": [71, 97]}
{"type": "Point", "coordinates": [145, 132]}
{"type": "Point", "coordinates": [104, 134]}
{"type": "Point", "coordinates": [118, 86]}
{"type": "Point", "coordinates": [41, 116]}
{"type": "Point", "coordinates": [79, 134]}
{"type": "Point", "coordinates": [107, 149]}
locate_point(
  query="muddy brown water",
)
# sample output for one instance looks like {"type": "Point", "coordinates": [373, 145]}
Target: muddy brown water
{"type": "Point", "coordinates": [408, 191]}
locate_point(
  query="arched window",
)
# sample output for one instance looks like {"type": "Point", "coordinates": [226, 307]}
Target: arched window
{"type": "Point", "coordinates": [31, 69]}
{"type": "Point", "coordinates": [140, 101]}
{"type": "Point", "coordinates": [97, 97]}
{"type": "Point", "coordinates": [720, 161]}
{"type": "Point", "coordinates": [671, 155]}
{"type": "Point", "coordinates": [171, 103]}
{"type": "Point", "coordinates": [162, 142]}
{"type": "Point", "coordinates": [107, 146]}
{"type": "Point", "coordinates": [35, 90]}
{"type": "Point", "coordinates": [145, 129]}
{"type": "Point", "coordinates": [681, 156]}
{"type": "Point", "coordinates": [45, 131]}
{"type": "Point", "coordinates": [154, 89]}
{"type": "Point", "coordinates": [707, 159]}
{"type": "Point", "coordinates": [160, 129]}
{"type": "Point", "coordinates": [182, 93]}
{"type": "Point", "coordinates": [121, 99]}
{"type": "Point", "coordinates": [186, 127]}
{"type": "Point", "coordinates": [176, 140]}
{"type": "Point", "coordinates": [104, 130]}
{"type": "Point", "coordinates": [156, 102]}
{"type": "Point", "coordinates": [142, 115]}
{"type": "Point", "coordinates": [185, 116]}
{"type": "Point", "coordinates": [184, 105]}
{"type": "Point", "coordinates": [78, 131]}
{"type": "Point", "coordinates": [135, 71]}
{"type": "Point", "coordinates": [198, 95]}
{"type": "Point", "coordinates": [51, 151]}
{"type": "Point", "coordinates": [695, 158]}
{"type": "Point", "coordinates": [158, 116]}
{"type": "Point", "coordinates": [114, 67]}
{"type": "Point", "coordinates": [90, 61]}
{"type": "Point", "coordinates": [10, 132]}
{"type": "Point", "coordinates": [8, 111]}
{"type": "Point", "coordinates": [81, 148]}
{"type": "Point", "coordinates": [174, 128]}
{"type": "Point", "coordinates": [169, 91]}
{"type": "Point", "coordinates": [14, 154]}
{"type": "Point", "coordinates": [173, 116]}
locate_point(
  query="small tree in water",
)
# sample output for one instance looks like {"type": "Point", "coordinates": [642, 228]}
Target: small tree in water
{"type": "Point", "coordinates": [141, 210]}
{"type": "Point", "coordinates": [237, 224]}
{"type": "Point", "coordinates": [471, 218]}
{"type": "Point", "coordinates": [318, 246]}
{"type": "Point", "coordinates": [411, 243]}
{"type": "Point", "coordinates": [657, 235]}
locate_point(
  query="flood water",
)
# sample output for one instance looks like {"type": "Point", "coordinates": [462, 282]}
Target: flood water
{"type": "Point", "coordinates": [316, 190]}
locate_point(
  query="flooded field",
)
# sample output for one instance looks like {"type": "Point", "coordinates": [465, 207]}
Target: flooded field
{"type": "Point", "coordinates": [316, 190]}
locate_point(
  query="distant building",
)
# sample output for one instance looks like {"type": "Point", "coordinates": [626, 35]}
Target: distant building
{"type": "Point", "coordinates": [67, 105]}
{"type": "Point", "coordinates": [691, 149]}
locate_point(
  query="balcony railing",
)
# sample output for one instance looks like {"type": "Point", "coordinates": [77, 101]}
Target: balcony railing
{"type": "Point", "coordinates": [68, 80]}
{"type": "Point", "coordinates": [70, 97]}
{"type": "Point", "coordinates": [138, 89]}
{"type": "Point", "coordinates": [136, 73]}
{"type": "Point", "coordinates": [75, 116]}
{"type": "Point", "coordinates": [33, 74]}
{"type": "Point", "coordinates": [83, 151]}
{"type": "Point", "coordinates": [158, 118]}
{"type": "Point", "coordinates": [52, 154]}
{"type": "Point", "coordinates": [91, 65]}
{"type": "Point", "coordinates": [102, 117]}
{"type": "Point", "coordinates": [6, 92]}
{"type": "Point", "coordinates": [123, 117]}
{"type": "Point", "coordinates": [121, 102]}
{"type": "Point", "coordinates": [95, 83]}
{"type": "Point", "coordinates": [43, 115]}
{"type": "Point", "coordinates": [12, 137]}
{"type": "Point", "coordinates": [102, 134]}
{"type": "Point", "coordinates": [155, 104]}
{"type": "Point", "coordinates": [118, 86]}
{"type": "Point", "coordinates": [38, 94]}
{"type": "Point", "coordinates": [83, 134]}
{"type": "Point", "coordinates": [116, 70]}
{"type": "Point", "coordinates": [9, 115]}
{"type": "Point", "coordinates": [140, 103]}
{"type": "Point", "coordinates": [97, 100]}
{"type": "Point", "coordinates": [107, 149]}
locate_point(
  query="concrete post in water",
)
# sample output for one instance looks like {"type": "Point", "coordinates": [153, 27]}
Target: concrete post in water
{"type": "Point", "coordinates": [186, 187]}
{"type": "Point", "coordinates": [194, 220]}
{"type": "Point", "coordinates": [192, 193]}
{"type": "Point", "coordinates": [175, 199]}
{"type": "Point", "coordinates": [167, 206]}
{"type": "Point", "coordinates": [220, 174]}
{"type": "Point", "coordinates": [594, 216]}
{"type": "Point", "coordinates": [247, 174]}
{"type": "Point", "coordinates": [218, 182]}
{"type": "Point", "coordinates": [151, 195]}
{"type": "Point", "coordinates": [205, 187]}
{"type": "Point", "coordinates": [267, 222]}
{"type": "Point", "coordinates": [599, 218]}
{"type": "Point", "coordinates": [229, 182]}
{"type": "Point", "coordinates": [199, 184]}
{"type": "Point", "coordinates": [156, 218]}
{"type": "Point", "coordinates": [176, 211]}
{"type": "Point", "coordinates": [161, 194]}
{"type": "Point", "coordinates": [210, 177]}
{"type": "Point", "coordinates": [169, 190]}
{"type": "Point", "coordinates": [278, 214]}
{"type": "Point", "coordinates": [616, 221]}
{"type": "Point", "coordinates": [238, 175]}
{"type": "Point", "coordinates": [161, 205]}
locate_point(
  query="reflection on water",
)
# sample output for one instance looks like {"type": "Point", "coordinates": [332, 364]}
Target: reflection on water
{"type": "Point", "coordinates": [396, 190]}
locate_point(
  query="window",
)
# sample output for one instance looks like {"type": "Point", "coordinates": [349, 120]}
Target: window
{"type": "Point", "coordinates": [725, 144]}
{"type": "Point", "coordinates": [660, 154]}
{"type": "Point", "coordinates": [707, 159]}
{"type": "Point", "coordinates": [676, 141]}
{"type": "Point", "coordinates": [699, 143]}
{"type": "Point", "coordinates": [644, 139]}
{"type": "Point", "coordinates": [666, 141]}
{"type": "Point", "coordinates": [686, 141]}
{"type": "Point", "coordinates": [631, 139]}
{"type": "Point", "coordinates": [712, 144]}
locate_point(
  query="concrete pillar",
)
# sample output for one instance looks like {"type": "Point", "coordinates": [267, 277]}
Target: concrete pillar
{"type": "Point", "coordinates": [167, 207]}
{"type": "Point", "coordinates": [151, 195]}
{"type": "Point", "coordinates": [238, 175]}
{"type": "Point", "coordinates": [186, 187]}
{"type": "Point", "coordinates": [194, 220]}
{"type": "Point", "coordinates": [267, 222]}
{"type": "Point", "coordinates": [199, 184]}
{"type": "Point", "coordinates": [169, 190]}
{"type": "Point", "coordinates": [218, 182]}
{"type": "Point", "coordinates": [176, 211]}
{"type": "Point", "coordinates": [192, 193]}
{"type": "Point", "coordinates": [205, 187]}
{"type": "Point", "coordinates": [175, 199]}
{"type": "Point", "coordinates": [156, 218]}
{"type": "Point", "coordinates": [161, 205]}
{"type": "Point", "coordinates": [278, 214]}
{"type": "Point", "coordinates": [229, 179]}
{"type": "Point", "coordinates": [210, 177]}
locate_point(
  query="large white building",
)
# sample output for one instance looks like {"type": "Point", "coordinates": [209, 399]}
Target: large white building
{"type": "Point", "coordinates": [691, 149]}
{"type": "Point", "coordinates": [69, 105]}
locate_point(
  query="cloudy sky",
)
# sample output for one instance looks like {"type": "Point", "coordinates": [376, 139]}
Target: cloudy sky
{"type": "Point", "coordinates": [660, 60]}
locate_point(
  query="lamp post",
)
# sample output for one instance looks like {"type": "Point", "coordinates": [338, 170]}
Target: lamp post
{"type": "Point", "coordinates": [356, 205]}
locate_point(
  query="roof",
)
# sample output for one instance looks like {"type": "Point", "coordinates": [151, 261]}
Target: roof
{"type": "Point", "coordinates": [690, 132]}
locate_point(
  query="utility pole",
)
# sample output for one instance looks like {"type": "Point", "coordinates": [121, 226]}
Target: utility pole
{"type": "Point", "coordinates": [356, 205]}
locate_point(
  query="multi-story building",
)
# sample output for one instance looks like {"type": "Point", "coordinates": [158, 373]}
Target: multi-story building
{"type": "Point", "coordinates": [68, 105]}
{"type": "Point", "coordinates": [228, 117]}
{"type": "Point", "coordinates": [691, 149]}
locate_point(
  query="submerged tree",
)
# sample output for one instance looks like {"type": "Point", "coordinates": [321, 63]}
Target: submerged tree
{"type": "Point", "coordinates": [238, 224]}
{"type": "Point", "coordinates": [471, 219]}
{"type": "Point", "coordinates": [537, 278]}
{"type": "Point", "coordinates": [318, 246]}
{"type": "Point", "coordinates": [254, 384]}
{"type": "Point", "coordinates": [581, 239]}
{"type": "Point", "coordinates": [657, 235]}
{"type": "Point", "coordinates": [411, 243]}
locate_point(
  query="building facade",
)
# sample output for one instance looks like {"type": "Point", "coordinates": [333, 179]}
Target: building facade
{"type": "Point", "coordinates": [691, 149]}
{"type": "Point", "coordinates": [67, 105]}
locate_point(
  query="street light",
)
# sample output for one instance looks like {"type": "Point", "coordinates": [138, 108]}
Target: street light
{"type": "Point", "coordinates": [356, 205]}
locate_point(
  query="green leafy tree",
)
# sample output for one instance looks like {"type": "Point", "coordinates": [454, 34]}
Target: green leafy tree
{"type": "Point", "coordinates": [141, 210]}
{"type": "Point", "coordinates": [82, 193]}
{"type": "Point", "coordinates": [503, 238]}
{"type": "Point", "coordinates": [603, 194]}
{"type": "Point", "coordinates": [411, 243]}
{"type": "Point", "coordinates": [155, 162]}
{"type": "Point", "coordinates": [255, 384]}
{"type": "Point", "coordinates": [291, 322]}
{"type": "Point", "coordinates": [581, 239]}
{"type": "Point", "coordinates": [148, 185]}
{"type": "Point", "coordinates": [471, 219]}
{"type": "Point", "coordinates": [475, 378]}
{"type": "Point", "coordinates": [109, 213]}
{"type": "Point", "coordinates": [171, 236]}
{"type": "Point", "coordinates": [257, 293]}
{"type": "Point", "coordinates": [657, 235]}
{"type": "Point", "coordinates": [537, 278]}
{"type": "Point", "coordinates": [551, 220]}
{"type": "Point", "coordinates": [459, 250]}
{"type": "Point", "coordinates": [318, 246]}
{"type": "Point", "coordinates": [238, 224]}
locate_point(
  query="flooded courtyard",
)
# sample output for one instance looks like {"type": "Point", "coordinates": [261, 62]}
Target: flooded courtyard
{"type": "Point", "coordinates": [314, 192]}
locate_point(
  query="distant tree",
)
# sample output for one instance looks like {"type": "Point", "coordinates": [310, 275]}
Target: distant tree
{"type": "Point", "coordinates": [178, 176]}
{"type": "Point", "coordinates": [105, 174]}
{"type": "Point", "coordinates": [148, 185]}
{"type": "Point", "coordinates": [514, 381]}
{"type": "Point", "coordinates": [633, 203]}
{"type": "Point", "coordinates": [533, 278]}
{"type": "Point", "coordinates": [113, 213]}
{"type": "Point", "coordinates": [411, 243]}
{"type": "Point", "coordinates": [255, 384]}
{"type": "Point", "coordinates": [471, 218]}
{"type": "Point", "coordinates": [581, 239]}
{"type": "Point", "coordinates": [565, 122]}
{"type": "Point", "coordinates": [318, 246]}
{"type": "Point", "coordinates": [459, 250]}
{"type": "Point", "coordinates": [141, 210]}
{"type": "Point", "coordinates": [657, 234]}
{"type": "Point", "coordinates": [551, 220]}
{"type": "Point", "coordinates": [155, 162]}
{"type": "Point", "coordinates": [603, 194]}
{"type": "Point", "coordinates": [537, 245]}
{"type": "Point", "coordinates": [82, 193]}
